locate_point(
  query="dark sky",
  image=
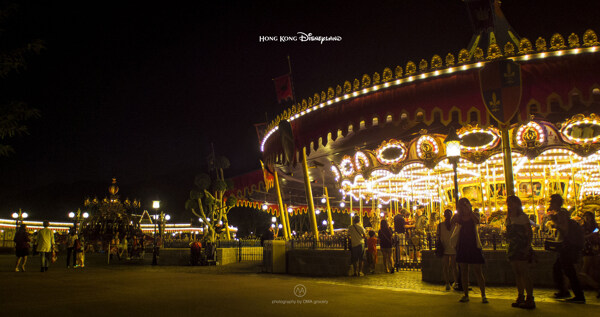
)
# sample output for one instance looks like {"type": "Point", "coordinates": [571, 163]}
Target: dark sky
{"type": "Point", "coordinates": [139, 90]}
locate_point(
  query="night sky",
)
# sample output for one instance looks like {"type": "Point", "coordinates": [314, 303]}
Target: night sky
{"type": "Point", "coordinates": [139, 91]}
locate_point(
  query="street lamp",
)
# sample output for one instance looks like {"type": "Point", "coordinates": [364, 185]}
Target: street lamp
{"type": "Point", "coordinates": [452, 142]}
{"type": "Point", "coordinates": [77, 217]}
{"type": "Point", "coordinates": [155, 206]}
{"type": "Point", "coordinates": [19, 216]}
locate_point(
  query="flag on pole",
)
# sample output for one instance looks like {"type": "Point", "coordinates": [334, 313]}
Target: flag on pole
{"type": "Point", "coordinates": [268, 178]}
{"type": "Point", "coordinates": [283, 87]}
{"type": "Point", "coordinates": [261, 129]}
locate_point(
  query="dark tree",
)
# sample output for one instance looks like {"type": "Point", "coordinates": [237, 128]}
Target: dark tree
{"type": "Point", "coordinates": [13, 55]}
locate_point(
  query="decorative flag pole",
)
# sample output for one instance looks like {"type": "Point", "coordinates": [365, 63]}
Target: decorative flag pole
{"type": "Point", "coordinates": [501, 88]}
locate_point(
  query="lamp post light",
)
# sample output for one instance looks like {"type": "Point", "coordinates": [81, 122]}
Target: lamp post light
{"type": "Point", "coordinates": [452, 142]}
{"type": "Point", "coordinates": [19, 216]}
{"type": "Point", "coordinates": [77, 217]}
{"type": "Point", "coordinates": [155, 206]}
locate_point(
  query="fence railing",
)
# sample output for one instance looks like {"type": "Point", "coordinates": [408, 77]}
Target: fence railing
{"type": "Point", "coordinates": [407, 247]}
{"type": "Point", "coordinates": [176, 244]}
{"type": "Point", "coordinates": [247, 249]}
{"type": "Point", "coordinates": [335, 242]}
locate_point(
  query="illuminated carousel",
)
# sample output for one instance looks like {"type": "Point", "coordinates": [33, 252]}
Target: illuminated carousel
{"type": "Point", "coordinates": [546, 160]}
{"type": "Point", "coordinates": [110, 217]}
{"type": "Point", "coordinates": [379, 141]}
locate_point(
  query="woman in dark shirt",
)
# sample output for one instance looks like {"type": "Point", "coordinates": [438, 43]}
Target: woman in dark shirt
{"type": "Point", "coordinates": [21, 247]}
{"type": "Point", "coordinates": [468, 248]}
{"type": "Point", "coordinates": [385, 243]}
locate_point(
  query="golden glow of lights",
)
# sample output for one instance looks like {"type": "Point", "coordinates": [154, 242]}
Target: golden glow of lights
{"type": "Point", "coordinates": [424, 76]}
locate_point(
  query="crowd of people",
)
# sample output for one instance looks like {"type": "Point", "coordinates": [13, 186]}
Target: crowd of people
{"type": "Point", "coordinates": [46, 244]}
{"type": "Point", "coordinates": [458, 244]}
{"type": "Point", "coordinates": [460, 248]}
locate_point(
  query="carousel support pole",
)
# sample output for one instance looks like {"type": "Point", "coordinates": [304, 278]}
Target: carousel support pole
{"type": "Point", "coordinates": [360, 208]}
{"type": "Point", "coordinates": [494, 186]}
{"type": "Point", "coordinates": [439, 183]}
{"type": "Point", "coordinates": [351, 210]}
{"type": "Point", "coordinates": [507, 159]}
{"type": "Point", "coordinates": [487, 188]}
{"type": "Point", "coordinates": [282, 211]}
{"type": "Point", "coordinates": [287, 221]}
{"type": "Point", "coordinates": [329, 219]}
{"type": "Point", "coordinates": [374, 214]}
{"type": "Point", "coordinates": [480, 180]}
{"type": "Point", "coordinates": [532, 192]}
{"type": "Point", "coordinates": [430, 209]}
{"type": "Point", "coordinates": [455, 172]}
{"type": "Point", "coordinates": [573, 180]}
{"type": "Point", "coordinates": [309, 197]}
{"type": "Point", "coordinates": [557, 177]}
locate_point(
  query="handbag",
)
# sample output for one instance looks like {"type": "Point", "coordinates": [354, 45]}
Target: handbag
{"type": "Point", "coordinates": [455, 236]}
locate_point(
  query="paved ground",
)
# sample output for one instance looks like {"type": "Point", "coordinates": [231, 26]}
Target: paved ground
{"type": "Point", "coordinates": [239, 290]}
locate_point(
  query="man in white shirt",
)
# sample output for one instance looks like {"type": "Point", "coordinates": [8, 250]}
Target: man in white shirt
{"type": "Point", "coordinates": [45, 241]}
{"type": "Point", "coordinates": [357, 235]}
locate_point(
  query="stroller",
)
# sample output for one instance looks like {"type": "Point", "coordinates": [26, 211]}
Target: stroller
{"type": "Point", "coordinates": [209, 256]}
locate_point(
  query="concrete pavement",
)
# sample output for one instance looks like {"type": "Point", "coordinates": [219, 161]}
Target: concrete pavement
{"type": "Point", "coordinates": [236, 290]}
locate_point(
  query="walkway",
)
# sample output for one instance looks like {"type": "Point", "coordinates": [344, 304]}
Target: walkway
{"type": "Point", "coordinates": [238, 290]}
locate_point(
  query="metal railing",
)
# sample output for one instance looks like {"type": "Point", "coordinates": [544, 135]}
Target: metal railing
{"type": "Point", "coordinates": [407, 247]}
{"type": "Point", "coordinates": [329, 242]}
{"type": "Point", "coordinates": [247, 249]}
{"type": "Point", "coordinates": [176, 244]}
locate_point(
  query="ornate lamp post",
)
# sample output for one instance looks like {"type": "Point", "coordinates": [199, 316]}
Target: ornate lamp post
{"type": "Point", "coordinates": [155, 206]}
{"type": "Point", "coordinates": [452, 142]}
{"type": "Point", "coordinates": [77, 217]}
{"type": "Point", "coordinates": [19, 216]}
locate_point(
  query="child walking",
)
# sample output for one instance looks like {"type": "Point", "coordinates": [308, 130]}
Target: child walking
{"type": "Point", "coordinates": [371, 252]}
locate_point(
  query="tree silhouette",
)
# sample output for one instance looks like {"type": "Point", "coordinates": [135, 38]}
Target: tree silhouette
{"type": "Point", "coordinates": [207, 199]}
{"type": "Point", "coordinates": [13, 55]}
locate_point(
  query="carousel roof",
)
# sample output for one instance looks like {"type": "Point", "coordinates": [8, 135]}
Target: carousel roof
{"type": "Point", "coordinates": [557, 81]}
{"type": "Point", "coordinates": [370, 128]}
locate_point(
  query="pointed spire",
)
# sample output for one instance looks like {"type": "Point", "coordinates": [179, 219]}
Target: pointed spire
{"type": "Point", "coordinates": [489, 25]}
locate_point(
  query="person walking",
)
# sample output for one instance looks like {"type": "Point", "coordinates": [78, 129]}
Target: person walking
{"type": "Point", "coordinates": [123, 248]}
{"type": "Point", "coordinates": [520, 253]}
{"type": "Point", "coordinates": [591, 249]}
{"type": "Point", "coordinates": [468, 248]}
{"type": "Point", "coordinates": [113, 247]}
{"type": "Point", "coordinates": [400, 230]}
{"type": "Point", "coordinates": [356, 232]}
{"type": "Point", "coordinates": [45, 242]}
{"type": "Point", "coordinates": [385, 243]}
{"type": "Point", "coordinates": [571, 237]}
{"type": "Point", "coordinates": [371, 252]}
{"type": "Point", "coordinates": [444, 232]}
{"type": "Point", "coordinates": [79, 248]}
{"type": "Point", "coordinates": [21, 247]}
{"type": "Point", "coordinates": [70, 243]}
